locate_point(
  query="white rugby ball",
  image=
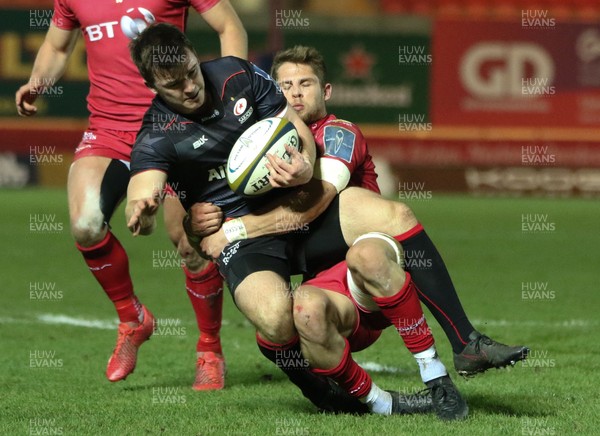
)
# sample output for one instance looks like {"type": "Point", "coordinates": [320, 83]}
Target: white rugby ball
{"type": "Point", "coordinates": [247, 173]}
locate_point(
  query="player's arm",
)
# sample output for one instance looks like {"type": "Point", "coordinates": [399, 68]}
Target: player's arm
{"type": "Point", "coordinates": [225, 21]}
{"type": "Point", "coordinates": [49, 66]}
{"type": "Point", "coordinates": [143, 200]}
{"type": "Point", "coordinates": [292, 211]}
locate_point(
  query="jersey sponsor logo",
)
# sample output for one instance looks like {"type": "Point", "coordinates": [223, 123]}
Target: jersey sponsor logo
{"type": "Point", "coordinates": [131, 27]}
{"type": "Point", "coordinates": [88, 136]}
{"type": "Point", "coordinates": [339, 142]}
{"type": "Point", "coordinates": [216, 173]}
{"type": "Point", "coordinates": [215, 114]}
{"type": "Point", "coordinates": [200, 142]}
{"type": "Point", "coordinates": [229, 251]}
{"type": "Point", "coordinates": [247, 115]}
{"type": "Point", "coordinates": [240, 107]}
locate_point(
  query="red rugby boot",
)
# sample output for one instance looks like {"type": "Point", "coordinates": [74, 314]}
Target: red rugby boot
{"type": "Point", "coordinates": [210, 372]}
{"type": "Point", "coordinates": [124, 357]}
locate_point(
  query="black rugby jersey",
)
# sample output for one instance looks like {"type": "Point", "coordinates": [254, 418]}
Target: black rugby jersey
{"type": "Point", "coordinates": [193, 152]}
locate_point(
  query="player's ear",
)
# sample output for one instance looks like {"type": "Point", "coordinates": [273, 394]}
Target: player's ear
{"type": "Point", "coordinates": [327, 91]}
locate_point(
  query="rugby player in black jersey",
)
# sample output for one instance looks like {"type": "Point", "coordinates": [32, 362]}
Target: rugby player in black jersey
{"type": "Point", "coordinates": [185, 139]}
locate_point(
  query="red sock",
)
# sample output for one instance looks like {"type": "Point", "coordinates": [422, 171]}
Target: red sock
{"type": "Point", "coordinates": [108, 262]}
{"type": "Point", "coordinates": [404, 311]}
{"type": "Point", "coordinates": [351, 377]}
{"type": "Point", "coordinates": [434, 285]}
{"type": "Point", "coordinates": [205, 290]}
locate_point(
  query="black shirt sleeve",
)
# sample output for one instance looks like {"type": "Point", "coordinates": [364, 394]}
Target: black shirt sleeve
{"type": "Point", "coordinates": [268, 97]}
{"type": "Point", "coordinates": [152, 152]}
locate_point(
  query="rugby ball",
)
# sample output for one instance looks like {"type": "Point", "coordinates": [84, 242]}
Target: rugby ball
{"type": "Point", "coordinates": [247, 173]}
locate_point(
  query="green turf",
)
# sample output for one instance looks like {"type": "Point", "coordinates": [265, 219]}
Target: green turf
{"type": "Point", "coordinates": [489, 257]}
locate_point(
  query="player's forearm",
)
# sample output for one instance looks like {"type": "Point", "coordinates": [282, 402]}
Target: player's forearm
{"type": "Point", "coordinates": [53, 56]}
{"type": "Point", "coordinates": [292, 212]}
{"type": "Point", "coordinates": [309, 150]}
{"type": "Point", "coordinates": [49, 66]}
{"type": "Point", "coordinates": [234, 40]}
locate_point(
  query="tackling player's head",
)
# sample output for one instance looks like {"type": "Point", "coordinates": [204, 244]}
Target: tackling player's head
{"type": "Point", "coordinates": [301, 73]}
{"type": "Point", "coordinates": [170, 67]}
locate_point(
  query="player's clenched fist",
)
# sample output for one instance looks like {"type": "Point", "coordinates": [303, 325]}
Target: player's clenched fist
{"type": "Point", "coordinates": [203, 219]}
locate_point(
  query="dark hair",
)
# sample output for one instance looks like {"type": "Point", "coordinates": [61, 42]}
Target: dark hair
{"type": "Point", "coordinates": [301, 54]}
{"type": "Point", "coordinates": [161, 51]}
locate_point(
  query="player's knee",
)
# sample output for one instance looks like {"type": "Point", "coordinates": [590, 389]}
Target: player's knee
{"type": "Point", "coordinates": [404, 215]}
{"type": "Point", "coordinates": [369, 259]}
{"type": "Point", "coordinates": [191, 258]}
{"type": "Point", "coordinates": [88, 227]}
{"type": "Point", "coordinates": [277, 328]}
{"type": "Point", "coordinates": [311, 312]}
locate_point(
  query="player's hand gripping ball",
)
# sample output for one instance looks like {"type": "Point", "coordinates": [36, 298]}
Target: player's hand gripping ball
{"type": "Point", "coordinates": [247, 173]}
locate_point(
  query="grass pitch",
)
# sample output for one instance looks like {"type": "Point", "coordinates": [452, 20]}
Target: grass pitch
{"type": "Point", "coordinates": [526, 270]}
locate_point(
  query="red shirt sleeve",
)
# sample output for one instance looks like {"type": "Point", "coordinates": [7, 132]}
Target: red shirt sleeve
{"type": "Point", "coordinates": [203, 5]}
{"type": "Point", "coordinates": [63, 16]}
{"type": "Point", "coordinates": [343, 141]}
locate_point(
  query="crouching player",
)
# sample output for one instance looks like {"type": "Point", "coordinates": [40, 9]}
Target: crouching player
{"type": "Point", "coordinates": [345, 308]}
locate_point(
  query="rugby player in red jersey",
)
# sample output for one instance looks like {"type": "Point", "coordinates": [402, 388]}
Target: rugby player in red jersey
{"type": "Point", "coordinates": [99, 176]}
{"type": "Point", "coordinates": [345, 161]}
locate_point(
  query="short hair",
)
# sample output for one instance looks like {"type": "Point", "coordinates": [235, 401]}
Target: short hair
{"type": "Point", "coordinates": [301, 54]}
{"type": "Point", "coordinates": [160, 51]}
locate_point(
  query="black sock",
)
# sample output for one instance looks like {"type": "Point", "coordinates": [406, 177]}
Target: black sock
{"type": "Point", "coordinates": [291, 362]}
{"type": "Point", "coordinates": [324, 394]}
{"type": "Point", "coordinates": [435, 288]}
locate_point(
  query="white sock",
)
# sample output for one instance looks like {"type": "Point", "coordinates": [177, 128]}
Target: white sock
{"type": "Point", "coordinates": [378, 401]}
{"type": "Point", "coordinates": [430, 366]}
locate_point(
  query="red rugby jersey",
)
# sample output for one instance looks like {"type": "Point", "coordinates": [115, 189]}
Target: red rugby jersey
{"type": "Point", "coordinates": [118, 97]}
{"type": "Point", "coordinates": [343, 141]}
